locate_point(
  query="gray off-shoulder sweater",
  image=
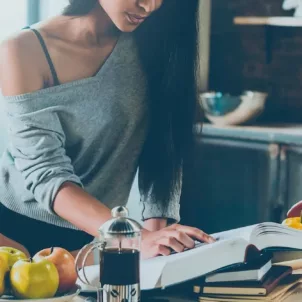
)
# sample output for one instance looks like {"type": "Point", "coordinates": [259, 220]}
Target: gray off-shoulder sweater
{"type": "Point", "coordinates": [89, 132]}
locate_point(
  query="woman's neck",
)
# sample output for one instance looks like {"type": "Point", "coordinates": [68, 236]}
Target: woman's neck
{"type": "Point", "coordinates": [92, 30]}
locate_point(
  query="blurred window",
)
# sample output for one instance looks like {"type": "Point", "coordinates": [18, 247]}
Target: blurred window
{"type": "Point", "coordinates": [16, 14]}
{"type": "Point", "coordinates": [50, 8]}
{"type": "Point", "coordinates": [13, 16]}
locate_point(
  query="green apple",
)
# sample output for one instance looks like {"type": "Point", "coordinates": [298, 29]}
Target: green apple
{"type": "Point", "coordinates": [4, 269]}
{"type": "Point", "coordinates": [34, 279]}
{"type": "Point", "coordinates": [65, 264]}
{"type": "Point", "coordinates": [12, 254]}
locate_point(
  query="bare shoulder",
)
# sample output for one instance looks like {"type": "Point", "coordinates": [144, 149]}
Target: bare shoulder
{"type": "Point", "coordinates": [20, 70]}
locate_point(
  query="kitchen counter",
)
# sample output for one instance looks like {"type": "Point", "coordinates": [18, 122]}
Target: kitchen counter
{"type": "Point", "coordinates": [290, 134]}
{"type": "Point", "coordinates": [297, 296]}
{"type": "Point", "coordinates": [155, 298]}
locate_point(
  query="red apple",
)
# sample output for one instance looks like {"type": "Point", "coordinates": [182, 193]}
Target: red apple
{"type": "Point", "coordinates": [65, 264]}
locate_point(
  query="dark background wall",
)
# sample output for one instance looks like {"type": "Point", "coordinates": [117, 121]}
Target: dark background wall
{"type": "Point", "coordinates": [240, 57]}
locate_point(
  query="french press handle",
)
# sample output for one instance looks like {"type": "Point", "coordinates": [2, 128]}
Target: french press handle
{"type": "Point", "coordinates": [81, 254]}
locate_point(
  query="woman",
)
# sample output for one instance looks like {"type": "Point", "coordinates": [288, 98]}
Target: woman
{"type": "Point", "coordinates": [90, 96]}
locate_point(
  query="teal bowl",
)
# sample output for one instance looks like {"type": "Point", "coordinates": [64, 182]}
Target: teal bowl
{"type": "Point", "coordinates": [219, 104]}
{"type": "Point", "coordinates": [225, 109]}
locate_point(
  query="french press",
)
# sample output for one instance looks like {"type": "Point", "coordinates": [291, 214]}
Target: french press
{"type": "Point", "coordinates": [119, 249]}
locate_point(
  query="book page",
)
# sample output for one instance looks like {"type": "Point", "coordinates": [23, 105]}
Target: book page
{"type": "Point", "coordinates": [244, 233]}
{"type": "Point", "coordinates": [151, 273]}
{"type": "Point", "coordinates": [274, 235]}
{"type": "Point", "coordinates": [196, 262]}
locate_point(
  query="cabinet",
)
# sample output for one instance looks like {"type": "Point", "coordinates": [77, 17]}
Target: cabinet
{"type": "Point", "coordinates": [292, 171]}
{"type": "Point", "coordinates": [236, 182]}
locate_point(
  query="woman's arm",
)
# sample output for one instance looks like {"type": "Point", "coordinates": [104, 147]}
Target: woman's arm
{"type": "Point", "coordinates": [81, 209]}
{"type": "Point", "coordinates": [155, 224]}
{"type": "Point", "coordinates": [38, 149]}
{"type": "Point", "coordinates": [20, 73]}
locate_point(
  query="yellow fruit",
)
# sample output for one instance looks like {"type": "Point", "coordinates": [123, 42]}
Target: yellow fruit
{"type": "Point", "coordinates": [65, 264]}
{"type": "Point", "coordinates": [293, 222]}
{"type": "Point", "coordinates": [12, 254]}
{"type": "Point", "coordinates": [3, 272]}
{"type": "Point", "coordinates": [34, 279]}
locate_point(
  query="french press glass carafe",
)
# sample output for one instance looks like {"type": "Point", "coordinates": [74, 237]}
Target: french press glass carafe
{"type": "Point", "coordinates": [119, 249]}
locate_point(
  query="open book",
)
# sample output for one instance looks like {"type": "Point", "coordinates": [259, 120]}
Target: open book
{"type": "Point", "coordinates": [232, 247]}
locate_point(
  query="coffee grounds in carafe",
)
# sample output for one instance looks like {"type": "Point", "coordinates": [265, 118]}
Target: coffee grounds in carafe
{"type": "Point", "coordinates": [119, 267]}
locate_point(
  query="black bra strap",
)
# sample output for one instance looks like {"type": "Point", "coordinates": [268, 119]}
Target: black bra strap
{"type": "Point", "coordinates": [46, 52]}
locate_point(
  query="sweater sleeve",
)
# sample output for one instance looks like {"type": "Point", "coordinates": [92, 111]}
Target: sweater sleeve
{"type": "Point", "coordinates": [37, 145]}
{"type": "Point", "coordinates": [152, 209]}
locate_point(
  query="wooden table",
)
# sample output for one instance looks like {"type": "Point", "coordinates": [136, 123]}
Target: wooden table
{"type": "Point", "coordinates": [155, 299]}
{"type": "Point", "coordinates": [169, 298]}
{"type": "Point", "coordinates": [177, 294]}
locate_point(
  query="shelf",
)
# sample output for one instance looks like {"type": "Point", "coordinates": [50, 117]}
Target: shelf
{"type": "Point", "coordinates": [270, 21]}
{"type": "Point", "coordinates": [288, 134]}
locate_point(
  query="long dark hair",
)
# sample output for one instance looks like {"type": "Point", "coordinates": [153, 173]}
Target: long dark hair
{"type": "Point", "coordinates": [167, 43]}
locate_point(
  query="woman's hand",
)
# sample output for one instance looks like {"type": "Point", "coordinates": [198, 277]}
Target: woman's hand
{"type": "Point", "coordinates": [172, 238]}
{"type": "Point", "coordinates": [295, 210]}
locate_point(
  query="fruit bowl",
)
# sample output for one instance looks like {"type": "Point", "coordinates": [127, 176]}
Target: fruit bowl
{"type": "Point", "coordinates": [225, 109]}
{"type": "Point", "coordinates": [54, 268]}
{"type": "Point", "coordinates": [58, 298]}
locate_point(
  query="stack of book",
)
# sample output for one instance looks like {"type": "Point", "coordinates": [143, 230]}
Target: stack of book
{"type": "Point", "coordinates": [237, 249]}
{"type": "Point", "coordinates": [259, 280]}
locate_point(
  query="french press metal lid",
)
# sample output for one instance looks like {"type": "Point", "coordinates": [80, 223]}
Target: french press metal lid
{"type": "Point", "coordinates": [120, 225]}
